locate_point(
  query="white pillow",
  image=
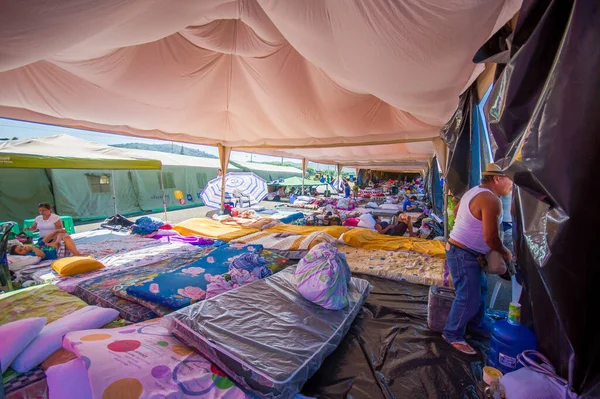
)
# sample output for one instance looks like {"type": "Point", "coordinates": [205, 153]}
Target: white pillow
{"type": "Point", "coordinates": [390, 206]}
{"type": "Point", "coordinates": [372, 205]}
{"type": "Point", "coordinates": [367, 221]}
{"type": "Point", "coordinates": [18, 262]}
{"type": "Point", "coordinates": [69, 380]}
{"type": "Point", "coordinates": [16, 336]}
{"type": "Point", "coordinates": [50, 338]}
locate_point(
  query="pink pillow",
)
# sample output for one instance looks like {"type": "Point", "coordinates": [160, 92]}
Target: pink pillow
{"type": "Point", "coordinates": [16, 336]}
{"type": "Point", "coordinates": [351, 222]}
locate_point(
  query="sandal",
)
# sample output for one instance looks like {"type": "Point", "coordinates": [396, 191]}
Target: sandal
{"type": "Point", "coordinates": [462, 346]}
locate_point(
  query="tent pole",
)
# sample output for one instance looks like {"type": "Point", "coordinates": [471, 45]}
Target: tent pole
{"type": "Point", "coordinates": [114, 190]}
{"type": "Point", "coordinates": [446, 232]}
{"type": "Point", "coordinates": [304, 163]}
{"type": "Point", "coordinates": [162, 188]}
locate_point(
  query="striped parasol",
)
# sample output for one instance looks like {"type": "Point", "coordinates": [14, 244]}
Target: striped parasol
{"type": "Point", "coordinates": [245, 183]}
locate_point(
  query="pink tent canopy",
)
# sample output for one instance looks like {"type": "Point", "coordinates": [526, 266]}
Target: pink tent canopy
{"type": "Point", "coordinates": [265, 74]}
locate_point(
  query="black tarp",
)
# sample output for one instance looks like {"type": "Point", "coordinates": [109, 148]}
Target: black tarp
{"type": "Point", "coordinates": [457, 135]}
{"type": "Point", "coordinates": [544, 115]}
{"type": "Point", "coordinates": [390, 353]}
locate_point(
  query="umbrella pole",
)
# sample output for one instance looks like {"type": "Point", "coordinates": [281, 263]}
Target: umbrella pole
{"type": "Point", "coordinates": [162, 189]}
{"type": "Point", "coordinates": [224, 153]}
{"type": "Point", "coordinates": [114, 191]}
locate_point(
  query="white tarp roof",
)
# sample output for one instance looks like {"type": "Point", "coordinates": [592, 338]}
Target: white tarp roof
{"type": "Point", "coordinates": [252, 73]}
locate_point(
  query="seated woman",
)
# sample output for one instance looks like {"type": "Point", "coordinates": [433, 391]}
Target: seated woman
{"type": "Point", "coordinates": [47, 247]}
{"type": "Point", "coordinates": [47, 222]}
{"type": "Point", "coordinates": [396, 228]}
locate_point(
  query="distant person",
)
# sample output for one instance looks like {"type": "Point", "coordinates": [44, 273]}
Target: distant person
{"type": "Point", "coordinates": [47, 222]}
{"type": "Point", "coordinates": [407, 205]}
{"type": "Point", "coordinates": [476, 232]}
{"type": "Point", "coordinates": [220, 172]}
{"type": "Point", "coordinates": [396, 228]}
{"type": "Point", "coordinates": [346, 188]}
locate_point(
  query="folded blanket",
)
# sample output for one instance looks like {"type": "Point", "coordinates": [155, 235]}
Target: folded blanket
{"type": "Point", "coordinates": [211, 229]}
{"type": "Point", "coordinates": [367, 239]}
{"type": "Point", "coordinates": [186, 285]}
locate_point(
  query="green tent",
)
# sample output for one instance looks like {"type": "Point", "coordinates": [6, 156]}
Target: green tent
{"type": "Point", "coordinates": [297, 182]}
{"type": "Point", "coordinates": [43, 170]}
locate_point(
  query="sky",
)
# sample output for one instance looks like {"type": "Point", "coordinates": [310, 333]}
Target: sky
{"type": "Point", "coordinates": [11, 128]}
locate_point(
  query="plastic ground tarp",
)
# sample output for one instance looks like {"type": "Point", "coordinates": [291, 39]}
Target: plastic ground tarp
{"type": "Point", "coordinates": [390, 353]}
{"type": "Point", "coordinates": [543, 115]}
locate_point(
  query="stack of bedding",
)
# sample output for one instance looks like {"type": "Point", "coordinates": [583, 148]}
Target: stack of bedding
{"type": "Point", "coordinates": [266, 336]}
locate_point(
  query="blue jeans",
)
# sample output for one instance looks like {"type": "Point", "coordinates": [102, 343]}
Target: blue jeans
{"type": "Point", "coordinates": [470, 283]}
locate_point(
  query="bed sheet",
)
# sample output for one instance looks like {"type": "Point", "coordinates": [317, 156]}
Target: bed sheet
{"type": "Point", "coordinates": [211, 229]}
{"type": "Point", "coordinates": [186, 285]}
{"type": "Point", "coordinates": [414, 267]}
{"type": "Point", "coordinates": [30, 385]}
{"type": "Point", "coordinates": [269, 345]}
{"type": "Point", "coordinates": [145, 361]}
{"type": "Point", "coordinates": [367, 239]}
{"type": "Point", "coordinates": [293, 246]}
{"type": "Point", "coordinates": [38, 301]}
{"type": "Point", "coordinates": [98, 290]}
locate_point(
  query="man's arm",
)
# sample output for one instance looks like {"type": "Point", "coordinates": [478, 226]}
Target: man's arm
{"type": "Point", "coordinates": [455, 211]}
{"type": "Point", "coordinates": [491, 211]}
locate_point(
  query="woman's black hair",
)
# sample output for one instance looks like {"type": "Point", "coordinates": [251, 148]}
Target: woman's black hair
{"type": "Point", "coordinates": [45, 205]}
{"type": "Point", "coordinates": [13, 249]}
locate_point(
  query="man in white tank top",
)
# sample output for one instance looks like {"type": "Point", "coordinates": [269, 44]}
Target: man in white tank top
{"type": "Point", "coordinates": [476, 232]}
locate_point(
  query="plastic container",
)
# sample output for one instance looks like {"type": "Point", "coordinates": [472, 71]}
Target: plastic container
{"type": "Point", "coordinates": [510, 338]}
{"type": "Point", "coordinates": [439, 305]}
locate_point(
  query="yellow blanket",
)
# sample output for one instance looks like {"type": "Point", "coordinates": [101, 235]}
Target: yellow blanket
{"type": "Point", "coordinates": [334, 231]}
{"type": "Point", "coordinates": [367, 239]}
{"type": "Point", "coordinates": [211, 229]}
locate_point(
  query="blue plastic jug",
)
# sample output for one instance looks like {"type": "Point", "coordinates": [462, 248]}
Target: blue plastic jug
{"type": "Point", "coordinates": [510, 338]}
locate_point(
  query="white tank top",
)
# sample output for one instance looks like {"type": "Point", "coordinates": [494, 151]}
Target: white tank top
{"type": "Point", "coordinates": [468, 230]}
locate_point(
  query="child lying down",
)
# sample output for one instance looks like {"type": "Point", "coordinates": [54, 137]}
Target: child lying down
{"type": "Point", "coordinates": [46, 248]}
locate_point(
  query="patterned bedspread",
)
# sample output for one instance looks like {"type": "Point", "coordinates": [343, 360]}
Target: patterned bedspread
{"type": "Point", "coordinates": [98, 290]}
{"type": "Point", "coordinates": [275, 262]}
{"type": "Point", "coordinates": [286, 241]}
{"type": "Point", "coordinates": [38, 301]}
{"type": "Point", "coordinates": [414, 267]}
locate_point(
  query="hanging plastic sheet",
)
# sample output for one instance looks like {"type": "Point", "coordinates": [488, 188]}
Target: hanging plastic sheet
{"type": "Point", "coordinates": [437, 189]}
{"type": "Point", "coordinates": [390, 353]}
{"type": "Point", "coordinates": [457, 134]}
{"type": "Point", "coordinates": [543, 115]}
